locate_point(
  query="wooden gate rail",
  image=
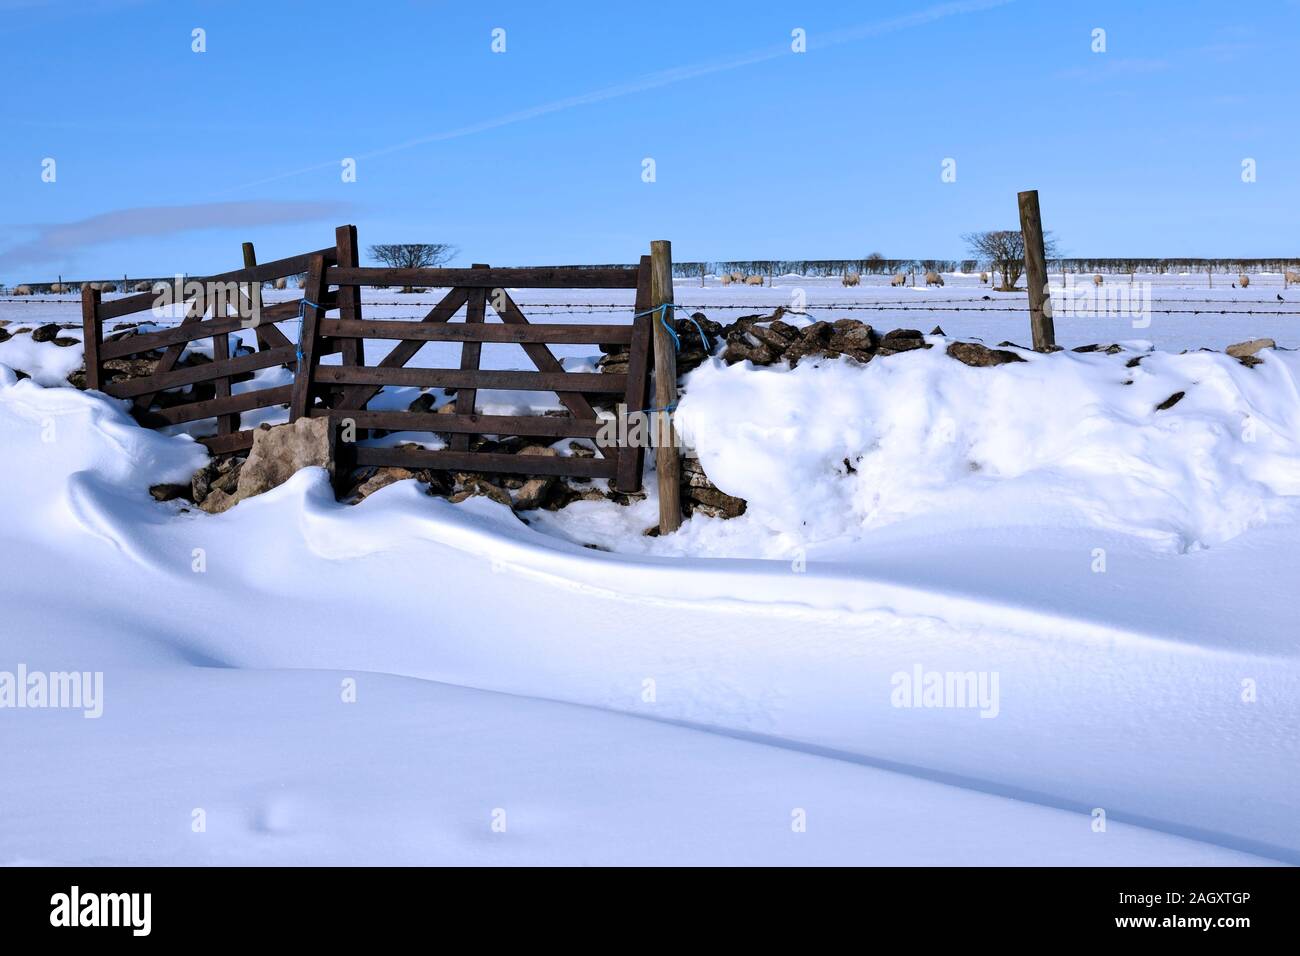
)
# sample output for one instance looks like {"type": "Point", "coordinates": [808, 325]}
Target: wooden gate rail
{"type": "Point", "coordinates": [225, 407]}
{"type": "Point", "coordinates": [534, 277]}
{"type": "Point", "coordinates": [472, 378]}
{"type": "Point", "coordinates": [355, 383]}
{"type": "Point", "coordinates": [279, 269]}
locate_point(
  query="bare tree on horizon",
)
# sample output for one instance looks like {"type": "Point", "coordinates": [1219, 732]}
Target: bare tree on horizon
{"type": "Point", "coordinates": [1004, 249]}
{"type": "Point", "coordinates": [413, 255]}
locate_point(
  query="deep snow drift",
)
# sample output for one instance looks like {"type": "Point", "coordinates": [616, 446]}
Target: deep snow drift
{"type": "Point", "coordinates": [832, 448]}
{"type": "Point", "coordinates": [1126, 573]}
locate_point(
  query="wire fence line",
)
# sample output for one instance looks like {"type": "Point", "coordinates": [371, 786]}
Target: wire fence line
{"type": "Point", "coordinates": [947, 305]}
{"type": "Point", "coordinates": [20, 300]}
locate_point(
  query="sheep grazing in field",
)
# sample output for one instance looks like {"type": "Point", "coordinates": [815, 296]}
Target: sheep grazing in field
{"type": "Point", "coordinates": [22, 290]}
{"type": "Point", "coordinates": [984, 278]}
{"type": "Point", "coordinates": [281, 283]}
{"type": "Point", "coordinates": [1290, 277]}
{"type": "Point", "coordinates": [1097, 279]}
{"type": "Point", "coordinates": [107, 287]}
{"type": "Point", "coordinates": [142, 286]}
{"type": "Point", "coordinates": [933, 278]}
{"type": "Point", "coordinates": [58, 288]}
{"type": "Point", "coordinates": [726, 280]}
{"type": "Point", "coordinates": [899, 279]}
{"type": "Point", "coordinates": [737, 277]}
{"type": "Point", "coordinates": [753, 280]}
{"type": "Point", "coordinates": [1243, 281]}
{"type": "Point", "coordinates": [851, 278]}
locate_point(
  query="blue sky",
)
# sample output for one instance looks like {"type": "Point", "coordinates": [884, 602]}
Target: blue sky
{"type": "Point", "coordinates": [167, 159]}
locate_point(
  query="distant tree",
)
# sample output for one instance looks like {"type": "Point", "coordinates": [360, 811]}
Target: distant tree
{"type": "Point", "coordinates": [1004, 250]}
{"type": "Point", "coordinates": [413, 255]}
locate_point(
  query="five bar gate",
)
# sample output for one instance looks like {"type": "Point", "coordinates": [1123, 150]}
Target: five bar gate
{"type": "Point", "coordinates": [355, 383]}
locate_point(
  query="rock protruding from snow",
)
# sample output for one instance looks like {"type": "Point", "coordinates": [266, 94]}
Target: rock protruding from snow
{"type": "Point", "coordinates": [980, 356]}
{"type": "Point", "coordinates": [902, 340]}
{"type": "Point", "coordinates": [379, 478]}
{"type": "Point", "coordinates": [168, 491]}
{"type": "Point", "coordinates": [1250, 347]}
{"type": "Point", "coordinates": [218, 476]}
{"type": "Point", "coordinates": [533, 492]}
{"type": "Point", "coordinates": [279, 452]}
{"type": "Point", "coordinates": [481, 486]}
{"type": "Point", "coordinates": [701, 495]}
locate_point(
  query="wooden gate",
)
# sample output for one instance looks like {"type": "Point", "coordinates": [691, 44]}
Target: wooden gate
{"type": "Point", "coordinates": [355, 383]}
{"type": "Point", "coordinates": [156, 403]}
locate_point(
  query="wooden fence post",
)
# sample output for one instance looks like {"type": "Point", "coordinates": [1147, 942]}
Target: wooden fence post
{"type": "Point", "coordinates": [1040, 307]}
{"type": "Point", "coordinates": [309, 341]}
{"type": "Point", "coordinates": [631, 456]}
{"type": "Point", "coordinates": [668, 464]}
{"type": "Point", "coordinates": [250, 260]}
{"type": "Point", "coordinates": [268, 336]}
{"type": "Point", "coordinates": [470, 355]}
{"type": "Point", "coordinates": [92, 334]}
{"type": "Point", "coordinates": [345, 250]}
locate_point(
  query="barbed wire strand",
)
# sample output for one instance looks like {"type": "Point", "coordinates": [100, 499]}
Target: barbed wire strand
{"type": "Point", "coordinates": [586, 308]}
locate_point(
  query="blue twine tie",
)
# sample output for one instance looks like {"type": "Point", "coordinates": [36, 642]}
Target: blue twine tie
{"type": "Point", "coordinates": [663, 320]}
{"type": "Point", "coordinates": [302, 314]}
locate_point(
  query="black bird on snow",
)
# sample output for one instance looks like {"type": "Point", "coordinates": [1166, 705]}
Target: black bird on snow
{"type": "Point", "coordinates": [1279, 297]}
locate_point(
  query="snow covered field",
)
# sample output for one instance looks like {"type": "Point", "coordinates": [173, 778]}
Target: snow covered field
{"type": "Point", "coordinates": [1176, 301]}
{"type": "Point", "coordinates": [1124, 577]}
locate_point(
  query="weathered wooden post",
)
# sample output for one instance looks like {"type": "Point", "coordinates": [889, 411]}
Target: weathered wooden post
{"type": "Point", "coordinates": [345, 250]}
{"type": "Point", "coordinates": [309, 342]}
{"type": "Point", "coordinates": [1040, 302]}
{"type": "Point", "coordinates": [250, 260]}
{"type": "Point", "coordinates": [470, 356]}
{"type": "Point", "coordinates": [667, 463]}
{"type": "Point", "coordinates": [92, 329]}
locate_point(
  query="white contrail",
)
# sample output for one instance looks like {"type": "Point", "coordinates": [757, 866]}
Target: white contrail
{"type": "Point", "coordinates": [663, 78]}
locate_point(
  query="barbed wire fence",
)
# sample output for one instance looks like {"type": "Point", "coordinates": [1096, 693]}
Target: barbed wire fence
{"type": "Point", "coordinates": [1009, 306]}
